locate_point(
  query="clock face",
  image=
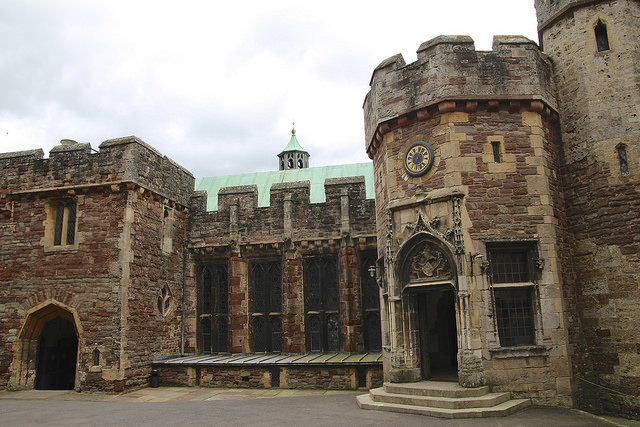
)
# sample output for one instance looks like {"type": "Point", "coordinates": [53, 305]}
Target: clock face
{"type": "Point", "coordinates": [418, 159]}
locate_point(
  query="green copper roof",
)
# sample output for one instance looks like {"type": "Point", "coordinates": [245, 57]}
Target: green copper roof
{"type": "Point", "coordinates": [293, 144]}
{"type": "Point", "coordinates": [264, 181]}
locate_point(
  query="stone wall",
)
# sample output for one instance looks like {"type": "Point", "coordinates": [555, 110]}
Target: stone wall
{"type": "Point", "coordinates": [149, 332]}
{"type": "Point", "coordinates": [81, 279]}
{"type": "Point", "coordinates": [107, 282]}
{"type": "Point", "coordinates": [290, 214]}
{"type": "Point", "coordinates": [598, 97]}
{"type": "Point", "coordinates": [294, 377]}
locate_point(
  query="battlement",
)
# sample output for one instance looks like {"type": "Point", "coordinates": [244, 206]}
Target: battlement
{"type": "Point", "coordinates": [121, 160]}
{"type": "Point", "coordinates": [291, 213]}
{"type": "Point", "coordinates": [450, 69]}
{"type": "Point", "coordinates": [548, 11]}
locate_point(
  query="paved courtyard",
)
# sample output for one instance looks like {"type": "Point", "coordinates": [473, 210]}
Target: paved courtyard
{"type": "Point", "coordinates": [207, 406]}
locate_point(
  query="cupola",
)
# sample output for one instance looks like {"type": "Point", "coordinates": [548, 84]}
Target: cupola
{"type": "Point", "coordinates": [293, 156]}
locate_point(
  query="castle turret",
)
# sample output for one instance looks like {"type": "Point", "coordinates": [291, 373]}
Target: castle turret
{"type": "Point", "coordinates": [595, 52]}
{"type": "Point", "coordinates": [464, 146]}
{"type": "Point", "coordinates": [293, 156]}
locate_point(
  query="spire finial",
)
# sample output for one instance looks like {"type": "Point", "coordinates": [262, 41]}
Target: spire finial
{"type": "Point", "coordinates": [293, 130]}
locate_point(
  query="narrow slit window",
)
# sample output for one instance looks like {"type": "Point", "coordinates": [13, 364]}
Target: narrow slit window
{"type": "Point", "coordinates": [602, 39]}
{"type": "Point", "coordinates": [495, 145]}
{"type": "Point", "coordinates": [622, 158]}
{"type": "Point", "coordinates": [65, 223]}
{"type": "Point", "coordinates": [96, 357]}
{"type": "Point", "coordinates": [57, 237]}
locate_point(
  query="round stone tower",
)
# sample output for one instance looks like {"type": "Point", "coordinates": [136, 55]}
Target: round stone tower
{"type": "Point", "coordinates": [293, 156]}
{"type": "Point", "coordinates": [596, 58]}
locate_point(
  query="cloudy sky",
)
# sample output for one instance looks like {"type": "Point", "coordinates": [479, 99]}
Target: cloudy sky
{"type": "Point", "coordinates": [216, 85]}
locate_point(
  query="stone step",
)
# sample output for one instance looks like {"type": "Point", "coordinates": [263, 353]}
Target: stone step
{"type": "Point", "coordinates": [435, 389]}
{"type": "Point", "coordinates": [500, 410]}
{"type": "Point", "coordinates": [485, 401]}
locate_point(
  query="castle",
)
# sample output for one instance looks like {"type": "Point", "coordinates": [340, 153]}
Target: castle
{"type": "Point", "coordinates": [502, 250]}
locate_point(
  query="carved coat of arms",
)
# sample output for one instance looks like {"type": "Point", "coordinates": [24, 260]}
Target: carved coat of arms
{"type": "Point", "coordinates": [428, 264]}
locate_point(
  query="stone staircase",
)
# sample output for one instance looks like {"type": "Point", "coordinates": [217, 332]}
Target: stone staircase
{"type": "Point", "coordinates": [440, 399]}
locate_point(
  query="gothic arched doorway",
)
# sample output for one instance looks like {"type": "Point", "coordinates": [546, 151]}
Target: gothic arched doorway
{"type": "Point", "coordinates": [45, 356]}
{"type": "Point", "coordinates": [57, 351]}
{"type": "Point", "coordinates": [429, 276]}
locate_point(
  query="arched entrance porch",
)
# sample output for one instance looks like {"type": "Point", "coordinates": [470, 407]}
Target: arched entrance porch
{"type": "Point", "coordinates": [427, 272]}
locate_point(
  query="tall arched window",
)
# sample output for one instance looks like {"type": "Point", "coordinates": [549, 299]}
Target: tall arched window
{"type": "Point", "coordinates": [213, 309]}
{"type": "Point", "coordinates": [265, 284]}
{"type": "Point", "coordinates": [322, 303]}
{"type": "Point", "coordinates": [370, 302]}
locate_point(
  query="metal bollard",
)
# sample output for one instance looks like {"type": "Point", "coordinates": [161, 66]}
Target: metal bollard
{"type": "Point", "coordinates": [154, 380]}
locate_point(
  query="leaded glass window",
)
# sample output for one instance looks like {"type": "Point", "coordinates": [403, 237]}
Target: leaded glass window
{"type": "Point", "coordinates": [512, 275]}
{"type": "Point", "coordinates": [511, 262]}
{"type": "Point", "coordinates": [322, 303]}
{"type": "Point", "coordinates": [372, 337]}
{"type": "Point", "coordinates": [370, 303]}
{"type": "Point", "coordinates": [213, 303]}
{"type": "Point", "coordinates": [265, 284]}
{"type": "Point", "coordinates": [515, 316]}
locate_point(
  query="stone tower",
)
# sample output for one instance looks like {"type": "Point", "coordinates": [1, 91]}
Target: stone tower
{"type": "Point", "coordinates": [293, 156]}
{"type": "Point", "coordinates": [596, 57]}
{"type": "Point", "coordinates": [465, 150]}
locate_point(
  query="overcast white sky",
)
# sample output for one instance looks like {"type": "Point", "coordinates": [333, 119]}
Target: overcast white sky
{"type": "Point", "coordinates": [215, 85]}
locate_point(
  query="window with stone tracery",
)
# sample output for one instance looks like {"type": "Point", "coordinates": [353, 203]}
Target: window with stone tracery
{"type": "Point", "coordinates": [213, 303]}
{"type": "Point", "coordinates": [322, 303]}
{"type": "Point", "coordinates": [265, 286]}
{"type": "Point", "coordinates": [164, 300]}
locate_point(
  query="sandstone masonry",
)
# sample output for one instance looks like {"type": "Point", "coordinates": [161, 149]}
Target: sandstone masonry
{"type": "Point", "coordinates": [532, 166]}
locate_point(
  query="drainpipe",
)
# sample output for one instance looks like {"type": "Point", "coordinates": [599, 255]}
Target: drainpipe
{"type": "Point", "coordinates": [184, 305]}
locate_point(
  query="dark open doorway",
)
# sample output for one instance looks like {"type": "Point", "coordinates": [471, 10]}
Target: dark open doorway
{"type": "Point", "coordinates": [438, 333]}
{"type": "Point", "coordinates": [57, 352]}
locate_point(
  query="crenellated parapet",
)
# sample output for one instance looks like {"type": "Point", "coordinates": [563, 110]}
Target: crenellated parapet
{"type": "Point", "coordinates": [548, 11]}
{"type": "Point", "coordinates": [450, 75]}
{"type": "Point", "coordinates": [290, 215]}
{"type": "Point", "coordinates": [72, 166]}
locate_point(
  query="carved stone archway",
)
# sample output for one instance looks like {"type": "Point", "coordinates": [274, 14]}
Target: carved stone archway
{"type": "Point", "coordinates": [426, 269]}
